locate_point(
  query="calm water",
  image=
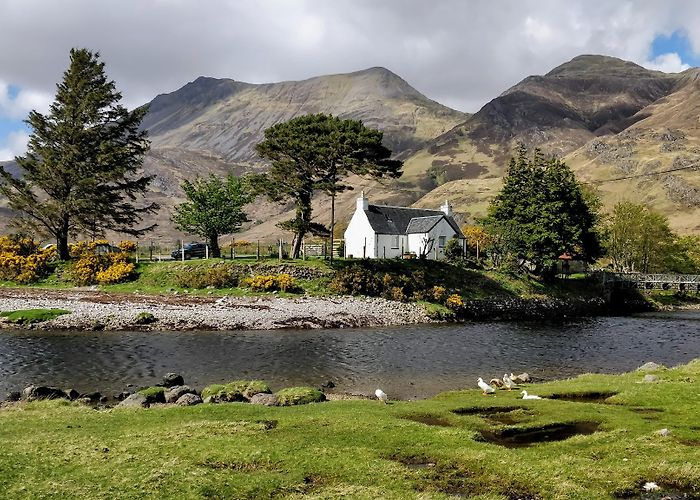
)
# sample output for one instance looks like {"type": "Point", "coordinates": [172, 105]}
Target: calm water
{"type": "Point", "coordinates": [407, 362]}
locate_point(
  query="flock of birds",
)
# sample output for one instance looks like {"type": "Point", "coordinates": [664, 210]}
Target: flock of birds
{"type": "Point", "coordinates": [508, 382]}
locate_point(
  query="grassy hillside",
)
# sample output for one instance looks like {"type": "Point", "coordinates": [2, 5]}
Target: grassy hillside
{"type": "Point", "coordinates": [457, 444]}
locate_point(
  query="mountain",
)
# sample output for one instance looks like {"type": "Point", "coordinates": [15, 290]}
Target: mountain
{"type": "Point", "coordinates": [610, 119]}
{"type": "Point", "coordinates": [631, 132]}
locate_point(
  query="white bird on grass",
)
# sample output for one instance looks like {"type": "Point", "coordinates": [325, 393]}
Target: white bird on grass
{"type": "Point", "coordinates": [381, 395]}
{"type": "Point", "coordinates": [485, 387]}
{"type": "Point", "coordinates": [529, 396]}
{"type": "Point", "coordinates": [508, 382]}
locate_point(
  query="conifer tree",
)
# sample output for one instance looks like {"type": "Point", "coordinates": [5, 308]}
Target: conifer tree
{"type": "Point", "coordinates": [315, 153]}
{"type": "Point", "coordinates": [80, 174]}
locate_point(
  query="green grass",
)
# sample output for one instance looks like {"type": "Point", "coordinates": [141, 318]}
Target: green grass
{"type": "Point", "coordinates": [360, 449]}
{"type": "Point", "coordinates": [673, 298]}
{"type": "Point", "coordinates": [29, 316]}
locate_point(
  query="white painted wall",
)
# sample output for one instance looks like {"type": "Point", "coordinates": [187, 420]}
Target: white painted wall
{"type": "Point", "coordinates": [359, 230]}
{"type": "Point", "coordinates": [387, 247]}
{"type": "Point", "coordinates": [416, 241]}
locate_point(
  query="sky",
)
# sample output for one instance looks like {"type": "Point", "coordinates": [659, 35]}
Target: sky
{"type": "Point", "coordinates": [460, 53]}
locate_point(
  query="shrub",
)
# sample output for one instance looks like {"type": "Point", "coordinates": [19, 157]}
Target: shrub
{"type": "Point", "coordinates": [454, 302]}
{"type": "Point", "coordinates": [453, 250]}
{"type": "Point", "coordinates": [270, 283]}
{"type": "Point", "coordinates": [299, 396]}
{"type": "Point", "coordinates": [22, 261]}
{"type": "Point", "coordinates": [238, 390]}
{"type": "Point", "coordinates": [105, 269]}
{"type": "Point", "coordinates": [438, 293]}
{"type": "Point", "coordinates": [128, 246]}
{"type": "Point", "coordinates": [218, 277]}
{"type": "Point", "coordinates": [355, 280]}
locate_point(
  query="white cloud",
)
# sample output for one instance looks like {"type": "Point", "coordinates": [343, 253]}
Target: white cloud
{"type": "Point", "coordinates": [18, 106]}
{"type": "Point", "coordinates": [668, 63]}
{"type": "Point", "coordinates": [14, 145]}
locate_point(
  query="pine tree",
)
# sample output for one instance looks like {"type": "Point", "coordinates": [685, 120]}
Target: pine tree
{"type": "Point", "coordinates": [314, 153]}
{"type": "Point", "coordinates": [214, 207]}
{"type": "Point", "coordinates": [542, 212]}
{"type": "Point", "coordinates": [80, 174]}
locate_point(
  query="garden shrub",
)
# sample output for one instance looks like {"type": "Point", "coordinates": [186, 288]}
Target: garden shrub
{"type": "Point", "coordinates": [356, 280]}
{"type": "Point", "coordinates": [22, 261]}
{"type": "Point", "coordinates": [299, 396]}
{"type": "Point", "coordinates": [128, 246]}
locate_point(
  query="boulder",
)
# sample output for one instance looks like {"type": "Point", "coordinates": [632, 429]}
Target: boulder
{"type": "Point", "coordinates": [35, 392]}
{"type": "Point", "coordinates": [188, 399]}
{"type": "Point", "coordinates": [663, 432]}
{"type": "Point", "coordinates": [92, 396]}
{"type": "Point", "coordinates": [173, 379]}
{"type": "Point", "coordinates": [121, 396]}
{"type": "Point", "coordinates": [13, 396]}
{"type": "Point", "coordinates": [72, 394]}
{"type": "Point", "coordinates": [134, 401]}
{"type": "Point", "coordinates": [85, 401]}
{"type": "Point", "coordinates": [176, 392]}
{"type": "Point", "coordinates": [650, 378]}
{"type": "Point", "coordinates": [263, 398]}
{"type": "Point", "coordinates": [650, 367]}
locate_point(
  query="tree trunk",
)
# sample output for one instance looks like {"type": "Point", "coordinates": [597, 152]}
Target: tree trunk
{"type": "Point", "coordinates": [62, 240]}
{"type": "Point", "coordinates": [332, 224]}
{"type": "Point", "coordinates": [303, 220]}
{"type": "Point", "coordinates": [214, 249]}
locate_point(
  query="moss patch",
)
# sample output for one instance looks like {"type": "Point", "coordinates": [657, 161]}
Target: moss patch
{"type": "Point", "coordinates": [299, 396]}
{"type": "Point", "coordinates": [29, 316]}
{"type": "Point", "coordinates": [238, 390]}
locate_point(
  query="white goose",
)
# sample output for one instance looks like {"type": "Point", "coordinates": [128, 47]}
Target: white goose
{"type": "Point", "coordinates": [381, 395]}
{"type": "Point", "coordinates": [485, 387]}
{"type": "Point", "coordinates": [508, 382]}
{"type": "Point", "coordinates": [529, 396]}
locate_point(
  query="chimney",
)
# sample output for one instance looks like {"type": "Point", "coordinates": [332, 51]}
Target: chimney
{"type": "Point", "coordinates": [362, 202]}
{"type": "Point", "coordinates": [447, 208]}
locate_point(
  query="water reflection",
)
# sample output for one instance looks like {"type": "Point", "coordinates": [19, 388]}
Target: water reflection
{"type": "Point", "coordinates": [407, 362]}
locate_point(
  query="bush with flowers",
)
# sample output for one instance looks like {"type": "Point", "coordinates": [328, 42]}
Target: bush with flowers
{"type": "Point", "coordinates": [22, 261]}
{"type": "Point", "coordinates": [271, 283]}
{"type": "Point", "coordinates": [105, 269]}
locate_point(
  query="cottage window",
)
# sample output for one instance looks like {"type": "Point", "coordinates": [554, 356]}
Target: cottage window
{"type": "Point", "coordinates": [395, 242]}
{"type": "Point", "coordinates": [441, 241]}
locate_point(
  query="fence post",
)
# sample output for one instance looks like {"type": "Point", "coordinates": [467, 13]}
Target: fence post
{"type": "Point", "coordinates": [150, 251]}
{"type": "Point", "coordinates": [206, 251]}
{"type": "Point", "coordinates": [279, 250]}
{"type": "Point", "coordinates": [258, 253]}
{"type": "Point", "coordinates": [182, 251]}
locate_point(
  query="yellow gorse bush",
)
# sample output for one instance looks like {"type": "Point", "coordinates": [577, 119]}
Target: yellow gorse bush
{"type": "Point", "coordinates": [454, 302]}
{"type": "Point", "coordinates": [271, 282]}
{"type": "Point", "coordinates": [128, 246]}
{"type": "Point", "coordinates": [21, 260]}
{"type": "Point", "coordinates": [91, 268]}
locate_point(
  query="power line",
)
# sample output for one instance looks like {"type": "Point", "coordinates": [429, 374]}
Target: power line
{"type": "Point", "coordinates": [646, 174]}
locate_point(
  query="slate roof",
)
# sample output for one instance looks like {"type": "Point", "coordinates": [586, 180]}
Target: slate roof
{"type": "Point", "coordinates": [423, 224]}
{"type": "Point", "coordinates": [396, 220]}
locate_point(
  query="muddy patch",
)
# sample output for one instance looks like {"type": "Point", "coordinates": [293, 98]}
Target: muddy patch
{"type": "Point", "coordinates": [486, 410]}
{"type": "Point", "coordinates": [515, 437]}
{"type": "Point", "coordinates": [429, 420]}
{"type": "Point", "coordinates": [690, 442]}
{"type": "Point", "coordinates": [414, 461]}
{"type": "Point", "coordinates": [583, 397]}
{"type": "Point", "coordinates": [663, 493]}
{"type": "Point", "coordinates": [648, 413]}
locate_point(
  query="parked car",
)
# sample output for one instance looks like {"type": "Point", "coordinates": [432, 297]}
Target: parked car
{"type": "Point", "coordinates": [191, 250]}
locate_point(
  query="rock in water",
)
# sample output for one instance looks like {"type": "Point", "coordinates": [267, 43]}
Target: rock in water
{"type": "Point", "coordinates": [188, 399]}
{"type": "Point", "coordinates": [264, 399]}
{"type": "Point", "coordinates": [134, 401]}
{"type": "Point", "coordinates": [173, 379]}
{"type": "Point", "coordinates": [13, 396]}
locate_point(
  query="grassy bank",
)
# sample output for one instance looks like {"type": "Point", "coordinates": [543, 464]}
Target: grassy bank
{"type": "Point", "coordinates": [314, 278]}
{"type": "Point", "coordinates": [426, 449]}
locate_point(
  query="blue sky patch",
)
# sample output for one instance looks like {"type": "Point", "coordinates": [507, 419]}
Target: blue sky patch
{"type": "Point", "coordinates": [678, 42]}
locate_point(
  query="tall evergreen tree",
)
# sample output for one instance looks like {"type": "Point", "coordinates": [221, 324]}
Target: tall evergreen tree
{"type": "Point", "coordinates": [81, 170]}
{"type": "Point", "coordinates": [541, 212]}
{"type": "Point", "coordinates": [315, 153]}
{"type": "Point", "coordinates": [214, 207]}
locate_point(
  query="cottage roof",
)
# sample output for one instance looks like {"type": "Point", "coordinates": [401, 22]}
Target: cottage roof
{"type": "Point", "coordinates": [396, 220]}
{"type": "Point", "coordinates": [423, 224]}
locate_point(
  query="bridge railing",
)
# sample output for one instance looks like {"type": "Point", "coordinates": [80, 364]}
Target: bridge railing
{"type": "Point", "coordinates": [665, 281]}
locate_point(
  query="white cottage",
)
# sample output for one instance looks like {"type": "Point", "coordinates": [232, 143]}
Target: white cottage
{"type": "Point", "coordinates": [384, 232]}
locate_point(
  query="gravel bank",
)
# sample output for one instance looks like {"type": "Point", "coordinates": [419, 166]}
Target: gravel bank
{"type": "Point", "coordinates": [94, 310]}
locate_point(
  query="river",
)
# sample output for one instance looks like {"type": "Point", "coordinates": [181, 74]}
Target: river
{"type": "Point", "coordinates": [407, 362]}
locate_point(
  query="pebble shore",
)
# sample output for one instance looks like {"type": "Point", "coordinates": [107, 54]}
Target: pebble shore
{"type": "Point", "coordinates": [95, 310]}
